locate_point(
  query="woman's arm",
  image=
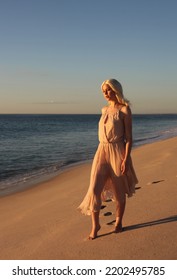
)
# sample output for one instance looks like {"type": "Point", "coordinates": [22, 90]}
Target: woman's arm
{"type": "Point", "coordinates": [128, 136]}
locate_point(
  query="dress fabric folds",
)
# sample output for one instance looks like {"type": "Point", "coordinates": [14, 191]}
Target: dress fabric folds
{"type": "Point", "coordinates": [106, 180]}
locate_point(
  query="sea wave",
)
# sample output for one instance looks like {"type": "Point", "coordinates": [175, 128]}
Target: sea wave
{"type": "Point", "coordinates": [49, 144]}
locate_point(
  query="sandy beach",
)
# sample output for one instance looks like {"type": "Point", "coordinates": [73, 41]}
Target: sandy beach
{"type": "Point", "coordinates": [43, 222]}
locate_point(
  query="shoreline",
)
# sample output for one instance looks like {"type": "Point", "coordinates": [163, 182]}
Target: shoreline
{"type": "Point", "coordinates": [43, 222]}
{"type": "Point", "coordinates": [49, 176]}
{"type": "Point", "coordinates": [41, 179]}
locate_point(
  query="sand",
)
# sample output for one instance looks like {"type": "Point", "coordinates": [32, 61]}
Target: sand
{"type": "Point", "coordinates": [43, 223]}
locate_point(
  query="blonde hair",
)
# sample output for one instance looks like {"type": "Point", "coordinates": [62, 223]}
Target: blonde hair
{"type": "Point", "coordinates": [118, 90]}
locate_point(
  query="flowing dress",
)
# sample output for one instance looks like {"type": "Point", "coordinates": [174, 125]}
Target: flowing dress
{"type": "Point", "coordinates": [106, 180]}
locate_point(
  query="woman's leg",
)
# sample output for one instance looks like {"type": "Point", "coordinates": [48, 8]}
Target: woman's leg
{"type": "Point", "coordinates": [120, 198]}
{"type": "Point", "coordinates": [95, 225]}
{"type": "Point", "coordinates": [120, 208]}
{"type": "Point", "coordinates": [99, 175]}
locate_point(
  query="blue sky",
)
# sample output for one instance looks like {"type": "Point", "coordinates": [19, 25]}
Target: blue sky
{"type": "Point", "coordinates": [54, 54]}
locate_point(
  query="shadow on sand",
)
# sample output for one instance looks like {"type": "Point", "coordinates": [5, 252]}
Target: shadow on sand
{"type": "Point", "coordinates": [142, 225]}
{"type": "Point", "coordinates": [152, 223]}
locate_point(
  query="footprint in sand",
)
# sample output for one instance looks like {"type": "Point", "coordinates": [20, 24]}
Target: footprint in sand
{"type": "Point", "coordinates": [111, 223]}
{"type": "Point", "coordinates": [108, 214]}
{"type": "Point", "coordinates": [108, 200]}
{"type": "Point", "coordinates": [155, 182]}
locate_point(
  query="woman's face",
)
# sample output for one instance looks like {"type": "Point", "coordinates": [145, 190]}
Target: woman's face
{"type": "Point", "coordinates": [108, 93]}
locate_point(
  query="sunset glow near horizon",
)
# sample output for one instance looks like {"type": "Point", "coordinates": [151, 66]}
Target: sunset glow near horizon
{"type": "Point", "coordinates": [55, 55]}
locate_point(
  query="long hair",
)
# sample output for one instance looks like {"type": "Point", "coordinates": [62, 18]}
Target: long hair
{"type": "Point", "coordinates": [118, 90]}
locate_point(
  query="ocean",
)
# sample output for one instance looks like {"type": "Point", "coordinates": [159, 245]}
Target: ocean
{"type": "Point", "coordinates": [33, 147]}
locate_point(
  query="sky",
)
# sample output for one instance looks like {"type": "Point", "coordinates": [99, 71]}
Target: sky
{"type": "Point", "coordinates": [55, 54]}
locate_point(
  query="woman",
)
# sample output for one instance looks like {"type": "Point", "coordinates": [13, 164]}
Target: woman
{"type": "Point", "coordinates": [112, 174]}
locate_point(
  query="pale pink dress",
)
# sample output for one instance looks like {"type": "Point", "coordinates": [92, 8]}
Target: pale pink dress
{"type": "Point", "coordinates": [106, 180]}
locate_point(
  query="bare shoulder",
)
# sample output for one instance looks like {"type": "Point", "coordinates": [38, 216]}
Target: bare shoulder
{"type": "Point", "coordinates": [104, 109]}
{"type": "Point", "coordinates": [126, 110]}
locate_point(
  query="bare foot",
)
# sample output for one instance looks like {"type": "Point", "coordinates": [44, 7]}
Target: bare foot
{"type": "Point", "coordinates": [118, 228]}
{"type": "Point", "coordinates": [93, 233]}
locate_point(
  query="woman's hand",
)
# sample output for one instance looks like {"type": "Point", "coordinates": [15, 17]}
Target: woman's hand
{"type": "Point", "coordinates": [123, 167]}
